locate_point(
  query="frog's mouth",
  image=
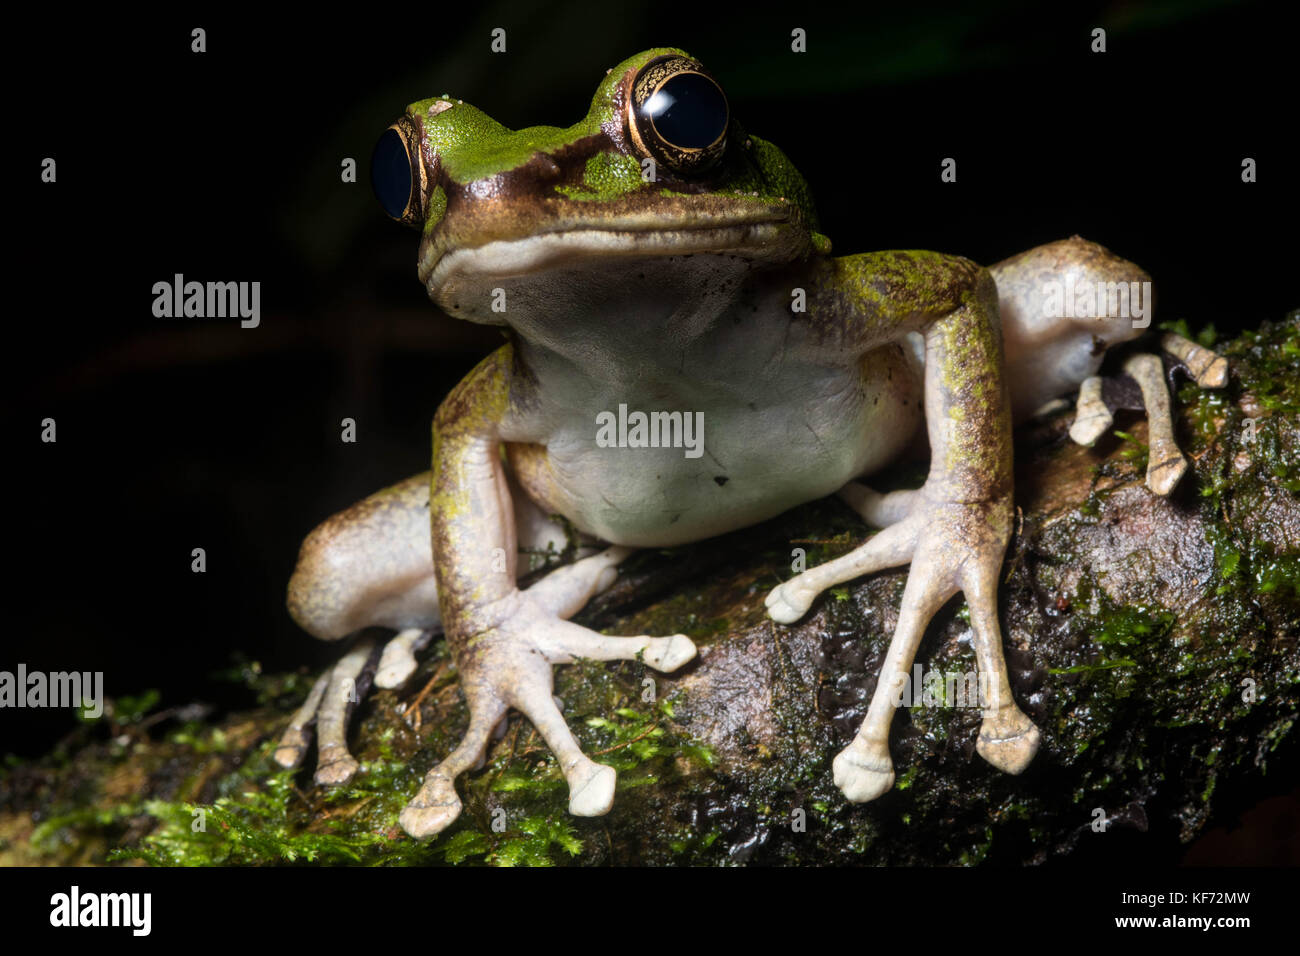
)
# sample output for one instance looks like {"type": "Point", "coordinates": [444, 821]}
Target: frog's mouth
{"type": "Point", "coordinates": [515, 257]}
{"type": "Point", "coordinates": [459, 262]}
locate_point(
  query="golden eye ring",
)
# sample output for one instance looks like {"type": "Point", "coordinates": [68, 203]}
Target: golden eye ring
{"type": "Point", "coordinates": [678, 115]}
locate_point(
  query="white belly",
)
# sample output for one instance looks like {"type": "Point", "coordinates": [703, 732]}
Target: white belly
{"type": "Point", "coordinates": [782, 440]}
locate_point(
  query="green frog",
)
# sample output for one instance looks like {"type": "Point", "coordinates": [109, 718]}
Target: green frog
{"type": "Point", "coordinates": [685, 357]}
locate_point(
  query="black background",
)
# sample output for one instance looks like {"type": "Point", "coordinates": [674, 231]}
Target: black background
{"type": "Point", "coordinates": [176, 434]}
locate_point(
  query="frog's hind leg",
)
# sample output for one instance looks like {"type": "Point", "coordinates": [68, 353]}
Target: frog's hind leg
{"type": "Point", "coordinates": [335, 765]}
{"type": "Point", "coordinates": [1052, 349]}
{"type": "Point", "coordinates": [372, 566]}
{"type": "Point", "coordinates": [1208, 369]}
{"type": "Point", "coordinates": [329, 705]}
{"type": "Point", "coordinates": [1166, 463]}
{"type": "Point", "coordinates": [296, 740]}
{"type": "Point", "coordinates": [368, 566]}
{"type": "Point", "coordinates": [398, 662]}
{"type": "Point", "coordinates": [876, 509]}
{"type": "Point", "coordinates": [1092, 417]}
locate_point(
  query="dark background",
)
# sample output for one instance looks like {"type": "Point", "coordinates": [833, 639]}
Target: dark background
{"type": "Point", "coordinates": [176, 434]}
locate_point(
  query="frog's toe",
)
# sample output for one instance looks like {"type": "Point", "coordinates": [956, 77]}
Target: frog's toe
{"type": "Point", "coordinates": [563, 642]}
{"type": "Point", "coordinates": [877, 510]}
{"type": "Point", "coordinates": [436, 806]}
{"type": "Point", "coordinates": [592, 794]}
{"type": "Point", "coordinates": [398, 661]}
{"type": "Point", "coordinates": [1163, 476]}
{"type": "Point", "coordinates": [296, 740]}
{"type": "Point", "coordinates": [1208, 369]}
{"type": "Point", "coordinates": [1092, 418]}
{"type": "Point", "coordinates": [566, 590]}
{"type": "Point", "coordinates": [789, 602]}
{"type": "Point", "coordinates": [291, 750]}
{"type": "Point", "coordinates": [863, 770]}
{"type": "Point", "coordinates": [666, 654]}
{"type": "Point", "coordinates": [591, 785]}
{"type": "Point", "coordinates": [894, 545]}
{"type": "Point", "coordinates": [334, 765]}
{"type": "Point", "coordinates": [1008, 740]}
{"type": "Point", "coordinates": [433, 809]}
{"type": "Point", "coordinates": [1165, 463]}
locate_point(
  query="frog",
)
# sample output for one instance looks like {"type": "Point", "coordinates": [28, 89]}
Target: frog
{"type": "Point", "coordinates": [685, 357]}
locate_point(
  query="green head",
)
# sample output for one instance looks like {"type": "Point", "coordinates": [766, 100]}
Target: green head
{"type": "Point", "coordinates": [657, 167]}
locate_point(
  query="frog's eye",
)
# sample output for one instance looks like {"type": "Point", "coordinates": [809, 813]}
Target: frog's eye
{"type": "Point", "coordinates": [678, 114]}
{"type": "Point", "coordinates": [396, 173]}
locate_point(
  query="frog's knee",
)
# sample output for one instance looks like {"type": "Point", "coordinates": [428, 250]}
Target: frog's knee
{"type": "Point", "coordinates": [314, 601]}
{"type": "Point", "coordinates": [1073, 286]}
{"type": "Point", "coordinates": [1062, 305]}
{"type": "Point", "coordinates": [368, 566]}
{"type": "Point", "coordinates": [336, 589]}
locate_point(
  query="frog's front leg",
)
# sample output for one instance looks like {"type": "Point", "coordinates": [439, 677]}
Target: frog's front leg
{"type": "Point", "coordinates": [506, 640]}
{"type": "Point", "coordinates": [954, 529]}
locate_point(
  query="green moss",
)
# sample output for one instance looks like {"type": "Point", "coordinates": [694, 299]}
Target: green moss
{"type": "Point", "coordinates": [1091, 668]}
{"type": "Point", "coordinates": [1272, 572]}
{"type": "Point", "coordinates": [532, 841]}
{"type": "Point", "coordinates": [1205, 337]}
{"type": "Point", "coordinates": [255, 829]}
{"type": "Point", "coordinates": [81, 821]}
{"type": "Point", "coordinates": [1134, 451]}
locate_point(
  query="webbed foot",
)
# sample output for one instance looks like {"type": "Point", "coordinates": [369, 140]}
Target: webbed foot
{"type": "Point", "coordinates": [509, 663]}
{"type": "Point", "coordinates": [952, 546]}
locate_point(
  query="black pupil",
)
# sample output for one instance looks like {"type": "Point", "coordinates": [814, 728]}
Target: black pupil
{"type": "Point", "coordinates": [390, 174]}
{"type": "Point", "coordinates": [688, 111]}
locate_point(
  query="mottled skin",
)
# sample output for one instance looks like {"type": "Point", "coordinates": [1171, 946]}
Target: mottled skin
{"type": "Point", "coordinates": [678, 294]}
